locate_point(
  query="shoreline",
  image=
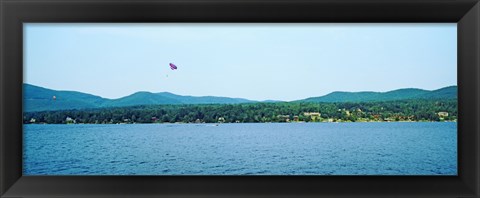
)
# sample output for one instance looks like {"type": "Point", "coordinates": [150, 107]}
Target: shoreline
{"type": "Point", "coordinates": [216, 123]}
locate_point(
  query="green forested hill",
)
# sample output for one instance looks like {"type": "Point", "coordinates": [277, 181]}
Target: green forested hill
{"type": "Point", "coordinates": [41, 99]}
{"type": "Point", "coordinates": [400, 94]}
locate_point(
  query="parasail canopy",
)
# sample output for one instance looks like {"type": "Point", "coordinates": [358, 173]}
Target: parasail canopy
{"type": "Point", "coordinates": [173, 66]}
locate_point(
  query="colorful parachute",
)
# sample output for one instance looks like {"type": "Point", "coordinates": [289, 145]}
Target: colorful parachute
{"type": "Point", "coordinates": [172, 66]}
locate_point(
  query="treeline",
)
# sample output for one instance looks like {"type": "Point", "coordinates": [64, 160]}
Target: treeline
{"type": "Point", "coordinates": [405, 110]}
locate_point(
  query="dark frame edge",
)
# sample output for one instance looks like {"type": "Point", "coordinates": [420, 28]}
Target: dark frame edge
{"type": "Point", "coordinates": [11, 145]}
{"type": "Point", "coordinates": [11, 183]}
{"type": "Point", "coordinates": [469, 40]}
{"type": "Point", "coordinates": [3, 187]}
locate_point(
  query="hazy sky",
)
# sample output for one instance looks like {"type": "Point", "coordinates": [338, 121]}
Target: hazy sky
{"type": "Point", "coordinates": [253, 61]}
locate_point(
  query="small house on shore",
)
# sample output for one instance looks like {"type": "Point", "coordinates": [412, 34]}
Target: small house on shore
{"type": "Point", "coordinates": [442, 114]}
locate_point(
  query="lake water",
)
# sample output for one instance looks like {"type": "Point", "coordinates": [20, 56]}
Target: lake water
{"type": "Point", "coordinates": [396, 148]}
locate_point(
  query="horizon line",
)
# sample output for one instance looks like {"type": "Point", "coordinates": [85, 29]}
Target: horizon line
{"type": "Point", "coordinates": [240, 97]}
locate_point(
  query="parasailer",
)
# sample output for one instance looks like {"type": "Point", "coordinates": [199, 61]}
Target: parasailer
{"type": "Point", "coordinates": [173, 66]}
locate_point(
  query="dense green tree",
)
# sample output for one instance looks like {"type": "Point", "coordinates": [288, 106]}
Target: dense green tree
{"type": "Point", "coordinates": [403, 110]}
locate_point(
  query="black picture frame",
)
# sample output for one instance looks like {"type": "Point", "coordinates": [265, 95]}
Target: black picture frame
{"type": "Point", "coordinates": [13, 13]}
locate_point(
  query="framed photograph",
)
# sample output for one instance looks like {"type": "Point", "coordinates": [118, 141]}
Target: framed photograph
{"type": "Point", "coordinates": [239, 98]}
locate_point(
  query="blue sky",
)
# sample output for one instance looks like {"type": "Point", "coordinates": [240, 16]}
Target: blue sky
{"type": "Point", "coordinates": [253, 61]}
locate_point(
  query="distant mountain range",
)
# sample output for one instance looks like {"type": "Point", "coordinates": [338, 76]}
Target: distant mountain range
{"type": "Point", "coordinates": [399, 94]}
{"type": "Point", "coordinates": [42, 99]}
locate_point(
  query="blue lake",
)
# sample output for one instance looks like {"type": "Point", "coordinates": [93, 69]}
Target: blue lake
{"type": "Point", "coordinates": [395, 148]}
